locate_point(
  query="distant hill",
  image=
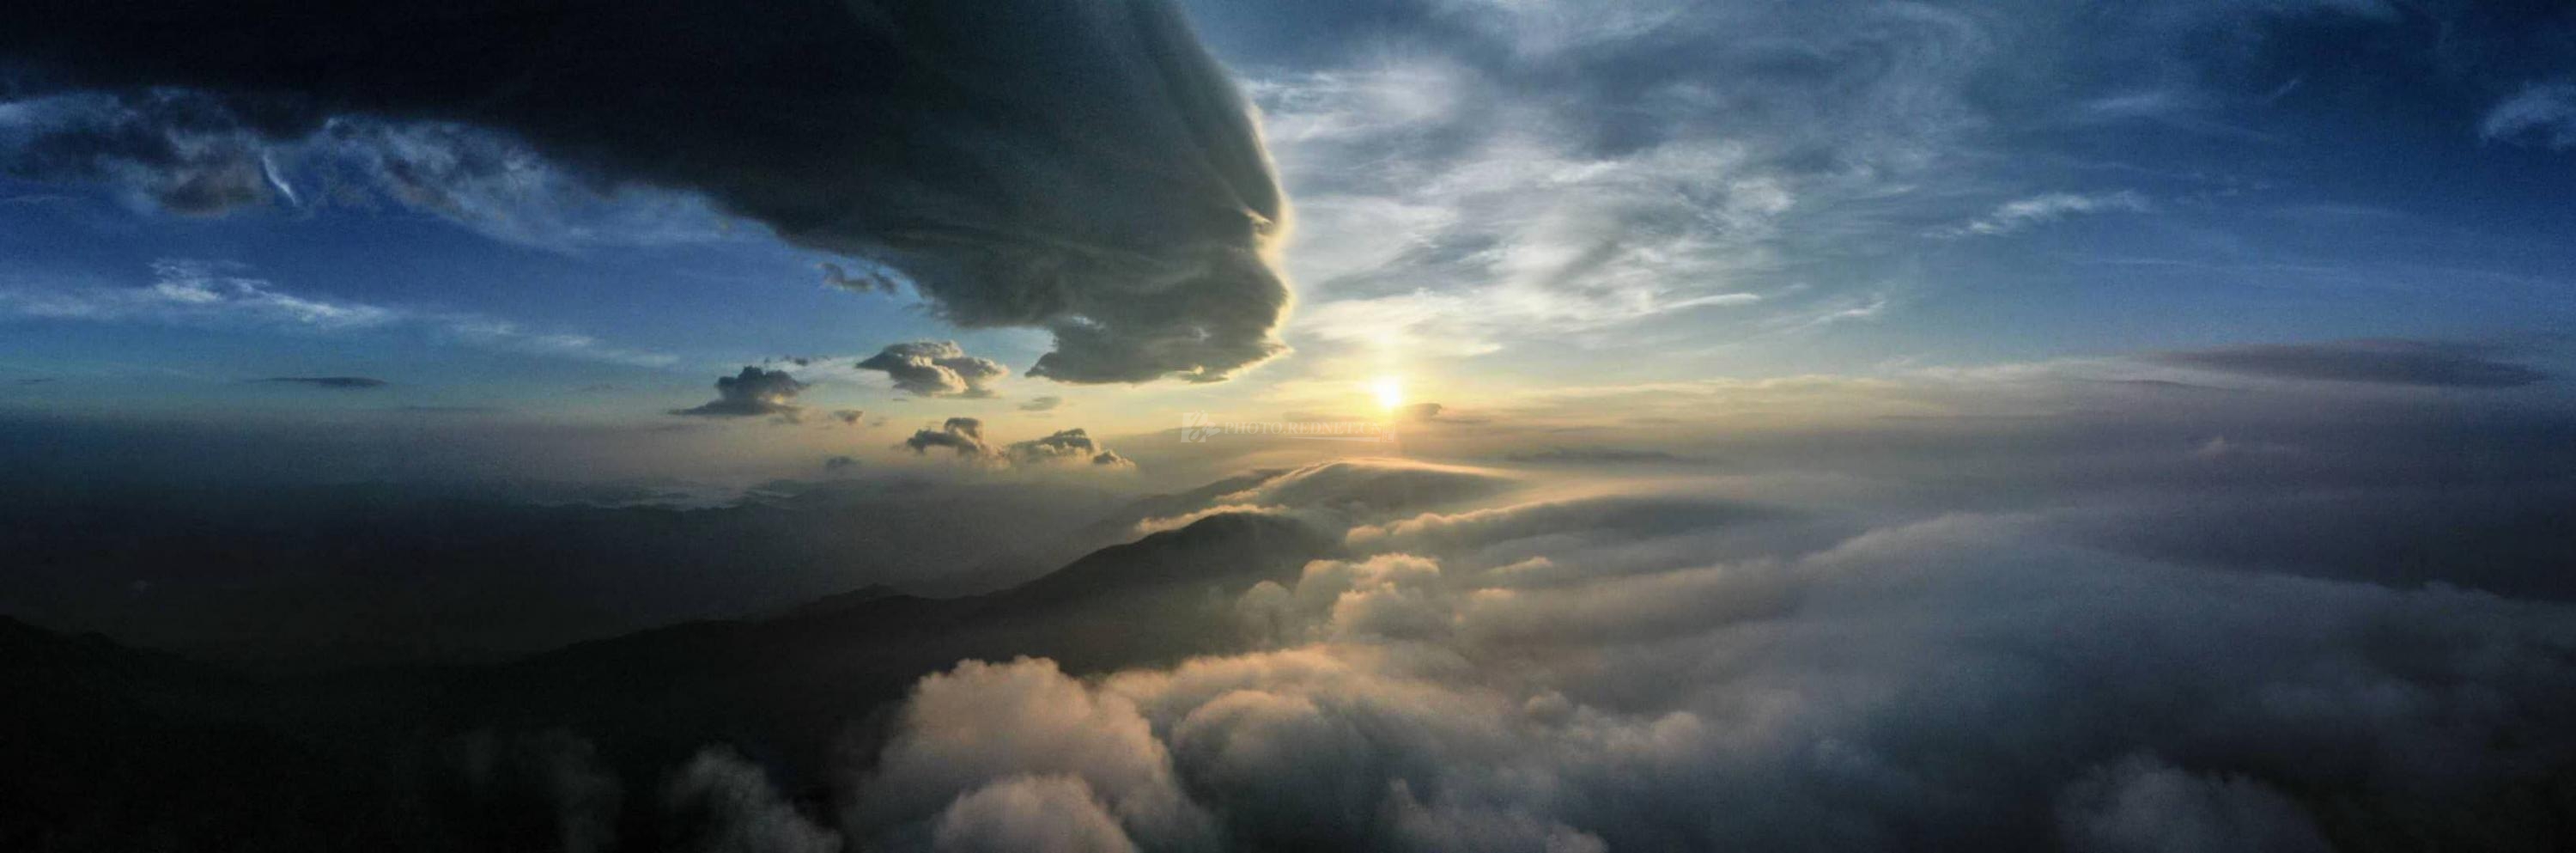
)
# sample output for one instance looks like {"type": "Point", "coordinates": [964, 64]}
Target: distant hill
{"type": "Point", "coordinates": [136, 749]}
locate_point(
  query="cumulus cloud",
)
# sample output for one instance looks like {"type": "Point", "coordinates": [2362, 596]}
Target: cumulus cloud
{"type": "Point", "coordinates": [1052, 814]}
{"type": "Point", "coordinates": [1072, 445]}
{"type": "Point", "coordinates": [2383, 362]}
{"type": "Point", "coordinates": [1037, 756]}
{"type": "Point", "coordinates": [936, 369]}
{"type": "Point", "coordinates": [754, 392]}
{"type": "Point", "coordinates": [2541, 114]}
{"type": "Point", "coordinates": [1110, 188]}
{"type": "Point", "coordinates": [721, 803]}
{"type": "Point", "coordinates": [965, 436]}
{"type": "Point", "coordinates": [2022, 214]}
{"type": "Point", "coordinates": [1047, 403]}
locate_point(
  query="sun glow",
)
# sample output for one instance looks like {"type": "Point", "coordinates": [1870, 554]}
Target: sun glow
{"type": "Point", "coordinates": [1389, 391]}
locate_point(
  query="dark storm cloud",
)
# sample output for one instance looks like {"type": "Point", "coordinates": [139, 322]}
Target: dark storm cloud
{"type": "Point", "coordinates": [344, 383]}
{"type": "Point", "coordinates": [183, 152]}
{"type": "Point", "coordinates": [752, 393]}
{"type": "Point", "coordinates": [2384, 362]}
{"type": "Point", "coordinates": [936, 369]}
{"type": "Point", "coordinates": [1081, 167]}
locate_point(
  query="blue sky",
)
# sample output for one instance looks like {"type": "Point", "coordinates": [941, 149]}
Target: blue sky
{"type": "Point", "coordinates": [1490, 198]}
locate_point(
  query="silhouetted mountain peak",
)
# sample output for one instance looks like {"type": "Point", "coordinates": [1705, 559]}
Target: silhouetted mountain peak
{"type": "Point", "coordinates": [1232, 546]}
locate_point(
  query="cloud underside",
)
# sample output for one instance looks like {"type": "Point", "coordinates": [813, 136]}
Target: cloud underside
{"type": "Point", "coordinates": [1643, 671]}
{"type": "Point", "coordinates": [964, 437]}
{"type": "Point", "coordinates": [936, 369]}
{"type": "Point", "coordinates": [2385, 362]}
{"type": "Point", "coordinates": [1083, 168]}
{"type": "Point", "coordinates": [755, 392]}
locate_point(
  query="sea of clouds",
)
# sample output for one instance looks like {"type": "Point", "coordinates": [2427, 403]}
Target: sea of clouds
{"type": "Point", "coordinates": [1545, 661]}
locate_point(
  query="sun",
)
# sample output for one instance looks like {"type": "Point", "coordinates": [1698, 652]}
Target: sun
{"type": "Point", "coordinates": [1389, 391]}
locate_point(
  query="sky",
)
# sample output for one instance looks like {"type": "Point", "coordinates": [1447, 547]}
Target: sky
{"type": "Point", "coordinates": [1484, 200]}
{"type": "Point", "coordinates": [1193, 425]}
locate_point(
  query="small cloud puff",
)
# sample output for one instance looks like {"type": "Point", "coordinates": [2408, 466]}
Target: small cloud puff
{"type": "Point", "coordinates": [936, 369]}
{"type": "Point", "coordinates": [752, 393]}
{"type": "Point", "coordinates": [965, 436]}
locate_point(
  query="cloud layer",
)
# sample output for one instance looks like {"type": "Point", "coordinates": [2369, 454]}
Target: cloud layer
{"type": "Point", "coordinates": [2385, 362]}
{"type": "Point", "coordinates": [1610, 664]}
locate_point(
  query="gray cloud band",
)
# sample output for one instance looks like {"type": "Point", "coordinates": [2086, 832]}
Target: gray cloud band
{"type": "Point", "coordinates": [1085, 168]}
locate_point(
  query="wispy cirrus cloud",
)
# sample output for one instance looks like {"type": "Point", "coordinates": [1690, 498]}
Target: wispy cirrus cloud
{"type": "Point", "coordinates": [2541, 114]}
{"type": "Point", "coordinates": [2026, 213]}
{"type": "Point", "coordinates": [187, 292]}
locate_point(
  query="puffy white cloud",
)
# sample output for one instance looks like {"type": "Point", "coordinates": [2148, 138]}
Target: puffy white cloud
{"type": "Point", "coordinates": [1031, 744]}
{"type": "Point", "coordinates": [1037, 814]}
{"type": "Point", "coordinates": [1959, 682]}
